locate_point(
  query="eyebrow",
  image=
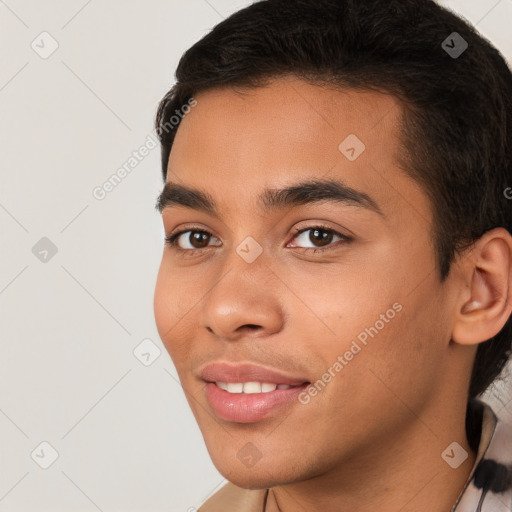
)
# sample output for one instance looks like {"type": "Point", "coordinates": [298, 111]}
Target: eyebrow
{"type": "Point", "coordinates": [302, 193]}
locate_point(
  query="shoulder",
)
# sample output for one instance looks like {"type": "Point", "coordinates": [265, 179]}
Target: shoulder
{"type": "Point", "coordinates": [231, 498]}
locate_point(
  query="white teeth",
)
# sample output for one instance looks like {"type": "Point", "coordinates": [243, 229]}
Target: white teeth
{"type": "Point", "coordinates": [267, 386]}
{"type": "Point", "coordinates": [250, 387]}
{"type": "Point", "coordinates": [235, 387]}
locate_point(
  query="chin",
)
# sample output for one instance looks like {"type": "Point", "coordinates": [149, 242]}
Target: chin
{"type": "Point", "coordinates": [252, 481]}
{"type": "Point", "coordinates": [262, 475]}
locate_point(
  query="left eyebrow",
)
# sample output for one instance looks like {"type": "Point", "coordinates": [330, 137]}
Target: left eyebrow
{"type": "Point", "coordinates": [302, 193]}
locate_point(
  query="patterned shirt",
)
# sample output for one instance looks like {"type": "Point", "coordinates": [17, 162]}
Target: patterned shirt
{"type": "Point", "coordinates": [488, 488]}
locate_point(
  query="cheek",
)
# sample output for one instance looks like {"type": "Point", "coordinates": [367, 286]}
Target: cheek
{"type": "Point", "coordinates": [169, 308]}
{"type": "Point", "coordinates": [402, 360]}
{"type": "Point", "coordinates": [162, 304]}
{"type": "Point", "coordinates": [390, 339]}
{"type": "Point", "coordinates": [341, 304]}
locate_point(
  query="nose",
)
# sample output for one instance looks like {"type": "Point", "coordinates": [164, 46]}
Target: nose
{"type": "Point", "coordinates": [244, 302]}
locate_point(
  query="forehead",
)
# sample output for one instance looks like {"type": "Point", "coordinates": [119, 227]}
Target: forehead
{"type": "Point", "coordinates": [236, 142]}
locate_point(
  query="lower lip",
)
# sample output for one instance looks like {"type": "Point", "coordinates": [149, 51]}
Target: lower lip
{"type": "Point", "coordinates": [249, 407]}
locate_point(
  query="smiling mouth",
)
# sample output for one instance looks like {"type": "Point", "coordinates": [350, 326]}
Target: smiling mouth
{"type": "Point", "coordinates": [251, 401]}
{"type": "Point", "coordinates": [254, 387]}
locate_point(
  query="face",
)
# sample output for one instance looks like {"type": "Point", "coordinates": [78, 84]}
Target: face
{"type": "Point", "coordinates": [335, 286]}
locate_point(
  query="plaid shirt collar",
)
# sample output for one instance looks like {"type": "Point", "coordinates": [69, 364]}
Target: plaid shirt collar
{"type": "Point", "coordinates": [489, 486]}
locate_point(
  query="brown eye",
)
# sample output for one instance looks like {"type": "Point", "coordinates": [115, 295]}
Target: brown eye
{"type": "Point", "coordinates": [320, 237]}
{"type": "Point", "coordinates": [317, 237]}
{"type": "Point", "coordinates": [198, 239]}
{"type": "Point", "coordinates": [190, 239]}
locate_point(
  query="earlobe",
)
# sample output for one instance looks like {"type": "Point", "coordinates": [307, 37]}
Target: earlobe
{"type": "Point", "coordinates": [486, 303]}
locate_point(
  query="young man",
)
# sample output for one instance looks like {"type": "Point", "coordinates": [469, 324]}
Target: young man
{"type": "Point", "coordinates": [336, 287]}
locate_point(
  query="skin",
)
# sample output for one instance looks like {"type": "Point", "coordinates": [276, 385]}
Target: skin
{"type": "Point", "coordinates": [373, 437]}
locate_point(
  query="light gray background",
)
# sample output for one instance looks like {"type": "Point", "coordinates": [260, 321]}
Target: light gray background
{"type": "Point", "coordinates": [125, 437]}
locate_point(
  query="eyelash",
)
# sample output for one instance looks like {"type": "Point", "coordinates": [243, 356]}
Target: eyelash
{"type": "Point", "coordinates": [172, 240]}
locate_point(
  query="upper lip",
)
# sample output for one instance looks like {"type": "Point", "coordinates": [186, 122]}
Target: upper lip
{"type": "Point", "coordinates": [246, 372]}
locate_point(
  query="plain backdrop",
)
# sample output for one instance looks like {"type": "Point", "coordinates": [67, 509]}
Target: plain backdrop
{"type": "Point", "coordinates": [77, 273]}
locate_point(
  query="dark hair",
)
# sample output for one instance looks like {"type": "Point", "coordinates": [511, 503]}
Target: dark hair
{"type": "Point", "coordinates": [457, 109]}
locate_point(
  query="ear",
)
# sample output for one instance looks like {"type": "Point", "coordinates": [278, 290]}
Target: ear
{"type": "Point", "coordinates": [485, 300]}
